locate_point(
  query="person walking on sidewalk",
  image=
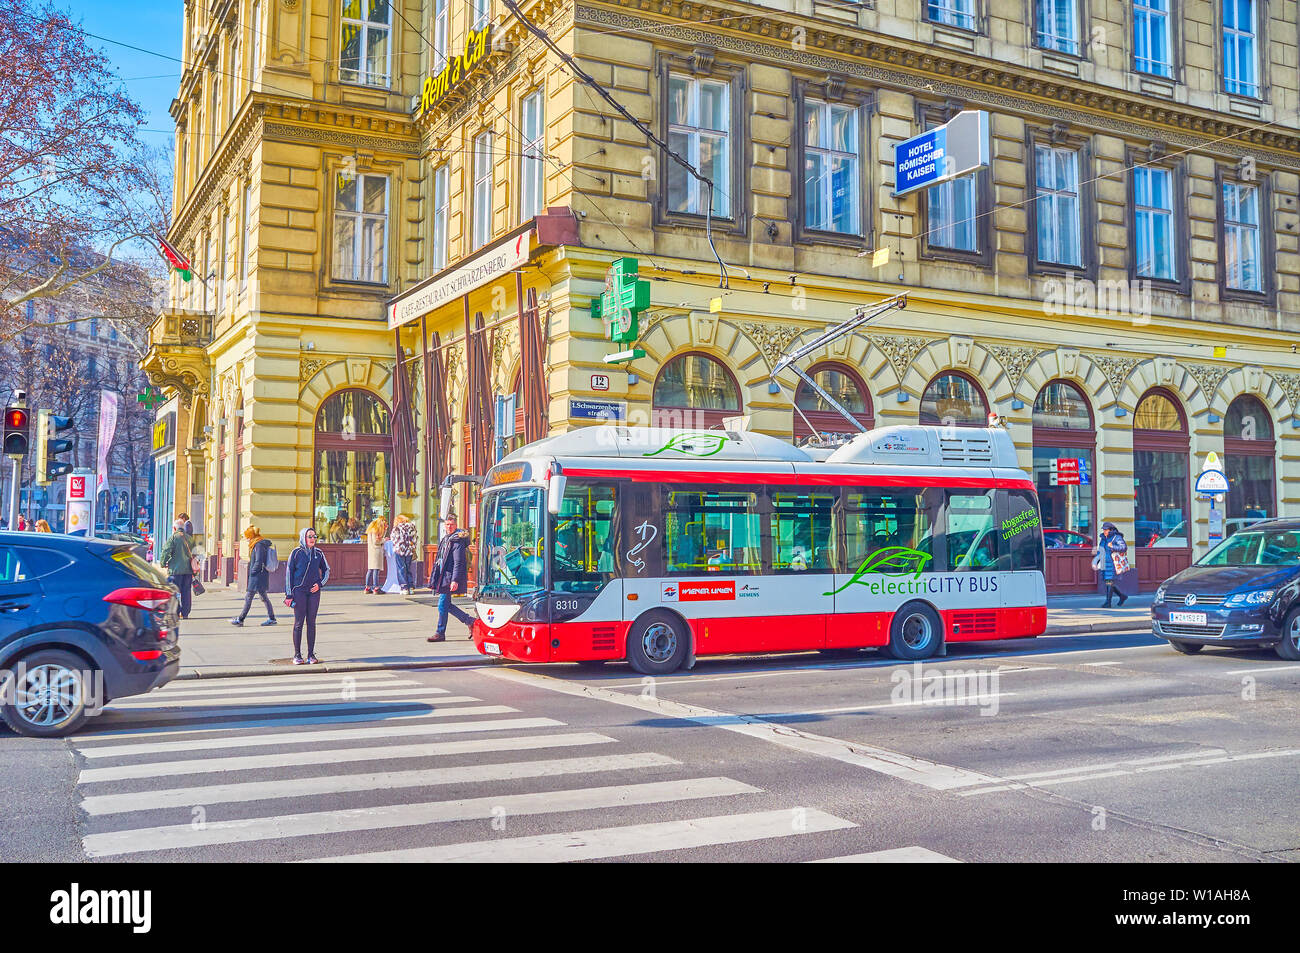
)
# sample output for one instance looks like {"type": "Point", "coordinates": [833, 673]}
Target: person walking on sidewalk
{"type": "Point", "coordinates": [449, 575]}
{"type": "Point", "coordinates": [177, 559]}
{"type": "Point", "coordinates": [259, 575]}
{"type": "Point", "coordinates": [1110, 560]}
{"type": "Point", "coordinates": [307, 573]}
{"type": "Point", "coordinates": [405, 542]}
{"type": "Point", "coordinates": [375, 557]}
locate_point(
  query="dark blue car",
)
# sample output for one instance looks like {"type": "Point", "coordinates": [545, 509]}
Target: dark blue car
{"type": "Point", "coordinates": [1245, 592]}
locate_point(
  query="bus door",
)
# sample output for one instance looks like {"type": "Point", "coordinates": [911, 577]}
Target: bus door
{"type": "Point", "coordinates": [585, 581]}
{"type": "Point", "coordinates": [886, 537]}
{"type": "Point", "coordinates": [1024, 592]}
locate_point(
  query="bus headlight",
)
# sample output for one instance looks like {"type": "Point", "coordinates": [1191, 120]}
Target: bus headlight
{"type": "Point", "coordinates": [535, 609]}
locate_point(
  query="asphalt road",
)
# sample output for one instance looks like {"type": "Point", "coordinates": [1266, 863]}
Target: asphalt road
{"type": "Point", "coordinates": [1073, 748]}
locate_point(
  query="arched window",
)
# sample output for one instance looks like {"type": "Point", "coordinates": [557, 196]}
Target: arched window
{"type": "Point", "coordinates": [353, 473]}
{"type": "Point", "coordinates": [954, 400]}
{"type": "Point", "coordinates": [1161, 445]}
{"type": "Point", "coordinates": [694, 391]}
{"type": "Point", "coordinates": [1249, 453]}
{"type": "Point", "coordinates": [1064, 441]}
{"type": "Point", "coordinates": [846, 387]}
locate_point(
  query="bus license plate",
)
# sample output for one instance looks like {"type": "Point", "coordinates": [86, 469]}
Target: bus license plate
{"type": "Point", "coordinates": [491, 648]}
{"type": "Point", "coordinates": [1187, 618]}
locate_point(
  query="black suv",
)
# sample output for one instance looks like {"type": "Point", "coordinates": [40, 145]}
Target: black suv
{"type": "Point", "coordinates": [1245, 593]}
{"type": "Point", "coordinates": [82, 621]}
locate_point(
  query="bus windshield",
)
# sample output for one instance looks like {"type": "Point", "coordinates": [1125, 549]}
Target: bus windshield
{"type": "Point", "coordinates": [512, 541]}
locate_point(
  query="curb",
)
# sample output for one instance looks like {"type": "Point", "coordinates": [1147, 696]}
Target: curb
{"type": "Point", "coordinates": [1083, 628]}
{"type": "Point", "coordinates": [252, 670]}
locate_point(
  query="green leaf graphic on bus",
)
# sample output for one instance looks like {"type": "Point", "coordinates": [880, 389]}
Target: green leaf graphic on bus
{"type": "Point", "coordinates": [890, 561]}
{"type": "Point", "coordinates": [692, 444]}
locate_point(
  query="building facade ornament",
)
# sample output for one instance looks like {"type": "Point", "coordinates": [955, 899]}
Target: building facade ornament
{"type": "Point", "coordinates": [1014, 361]}
{"type": "Point", "coordinates": [1290, 384]}
{"type": "Point", "coordinates": [1208, 377]}
{"type": "Point", "coordinates": [308, 366]}
{"type": "Point", "coordinates": [901, 350]}
{"type": "Point", "coordinates": [772, 340]}
{"type": "Point", "coordinates": [1117, 368]}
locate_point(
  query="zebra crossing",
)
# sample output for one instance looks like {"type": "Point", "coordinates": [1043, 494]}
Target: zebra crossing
{"type": "Point", "coordinates": [383, 767]}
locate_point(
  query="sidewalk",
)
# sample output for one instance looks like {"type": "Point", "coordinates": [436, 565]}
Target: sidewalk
{"type": "Point", "coordinates": [356, 632]}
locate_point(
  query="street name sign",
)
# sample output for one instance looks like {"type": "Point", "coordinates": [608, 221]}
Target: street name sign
{"type": "Point", "coordinates": [586, 409]}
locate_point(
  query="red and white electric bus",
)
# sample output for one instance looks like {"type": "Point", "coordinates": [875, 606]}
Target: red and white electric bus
{"type": "Point", "coordinates": [657, 546]}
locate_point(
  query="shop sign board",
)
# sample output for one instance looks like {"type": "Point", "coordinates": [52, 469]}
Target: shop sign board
{"type": "Point", "coordinates": [958, 147]}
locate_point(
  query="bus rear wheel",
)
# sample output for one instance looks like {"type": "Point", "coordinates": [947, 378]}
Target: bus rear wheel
{"type": "Point", "coordinates": [915, 633]}
{"type": "Point", "coordinates": [657, 644]}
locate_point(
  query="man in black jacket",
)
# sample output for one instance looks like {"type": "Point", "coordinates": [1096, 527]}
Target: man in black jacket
{"type": "Point", "coordinates": [449, 575]}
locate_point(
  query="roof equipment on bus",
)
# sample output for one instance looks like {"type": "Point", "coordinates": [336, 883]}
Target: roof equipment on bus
{"type": "Point", "coordinates": [860, 317]}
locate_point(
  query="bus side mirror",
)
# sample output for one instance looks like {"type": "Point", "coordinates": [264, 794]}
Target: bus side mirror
{"type": "Point", "coordinates": [448, 497]}
{"type": "Point", "coordinates": [555, 493]}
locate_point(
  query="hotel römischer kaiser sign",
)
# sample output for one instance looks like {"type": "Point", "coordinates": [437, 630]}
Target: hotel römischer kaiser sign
{"type": "Point", "coordinates": [458, 68]}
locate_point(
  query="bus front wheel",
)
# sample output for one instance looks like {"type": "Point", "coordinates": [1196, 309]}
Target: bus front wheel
{"type": "Point", "coordinates": [657, 644]}
{"type": "Point", "coordinates": [915, 633]}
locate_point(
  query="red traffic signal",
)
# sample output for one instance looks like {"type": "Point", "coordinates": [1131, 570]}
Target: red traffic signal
{"type": "Point", "coordinates": [15, 431]}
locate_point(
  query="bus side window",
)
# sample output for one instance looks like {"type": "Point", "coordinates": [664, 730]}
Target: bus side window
{"type": "Point", "coordinates": [582, 555]}
{"type": "Point", "coordinates": [1020, 529]}
{"type": "Point", "coordinates": [713, 529]}
{"type": "Point", "coordinates": [885, 519]}
{"type": "Point", "coordinates": [800, 529]}
{"type": "Point", "coordinates": [973, 535]}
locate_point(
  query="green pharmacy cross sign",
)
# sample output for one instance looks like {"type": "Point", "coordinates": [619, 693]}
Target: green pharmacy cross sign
{"type": "Point", "coordinates": [150, 398]}
{"type": "Point", "coordinates": [620, 307]}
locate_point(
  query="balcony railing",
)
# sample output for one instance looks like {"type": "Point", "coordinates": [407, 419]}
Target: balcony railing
{"type": "Point", "coordinates": [181, 329]}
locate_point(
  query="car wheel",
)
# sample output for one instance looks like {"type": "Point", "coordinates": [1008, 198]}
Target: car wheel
{"type": "Point", "coordinates": [657, 644]}
{"type": "Point", "coordinates": [48, 695]}
{"type": "Point", "coordinates": [1187, 648]}
{"type": "Point", "coordinates": [1289, 647]}
{"type": "Point", "coordinates": [915, 632]}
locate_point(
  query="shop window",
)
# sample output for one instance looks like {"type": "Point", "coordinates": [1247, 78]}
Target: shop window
{"type": "Point", "coordinates": [353, 466]}
{"type": "Point", "coordinates": [954, 400]}
{"type": "Point", "coordinates": [1250, 451]}
{"type": "Point", "coordinates": [366, 39]}
{"type": "Point", "coordinates": [694, 391]}
{"type": "Point", "coordinates": [815, 415]}
{"type": "Point", "coordinates": [1160, 472]}
{"type": "Point", "coordinates": [1064, 441]}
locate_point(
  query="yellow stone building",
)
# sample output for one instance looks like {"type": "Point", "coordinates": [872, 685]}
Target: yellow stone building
{"type": "Point", "coordinates": [1120, 285]}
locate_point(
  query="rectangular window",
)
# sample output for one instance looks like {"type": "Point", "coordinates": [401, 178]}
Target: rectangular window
{"type": "Point", "coordinates": [1240, 56]}
{"type": "Point", "coordinates": [479, 12]}
{"type": "Point", "coordinates": [361, 228]}
{"type": "Point", "coordinates": [221, 263]}
{"type": "Point", "coordinates": [232, 81]}
{"type": "Point", "coordinates": [831, 164]}
{"type": "Point", "coordinates": [482, 190]}
{"type": "Point", "coordinates": [715, 529]}
{"type": "Point", "coordinates": [214, 100]}
{"type": "Point", "coordinates": [94, 327]}
{"type": "Point", "coordinates": [1153, 208]}
{"type": "Point", "coordinates": [364, 50]}
{"type": "Point", "coordinates": [953, 208]}
{"type": "Point", "coordinates": [246, 261]}
{"type": "Point", "coordinates": [1021, 529]}
{"type": "Point", "coordinates": [1058, 26]}
{"type": "Point", "coordinates": [1057, 206]}
{"type": "Point", "coordinates": [1241, 237]}
{"type": "Point", "coordinates": [960, 13]}
{"type": "Point", "coordinates": [1152, 43]}
{"type": "Point", "coordinates": [1067, 508]}
{"type": "Point", "coordinates": [880, 519]}
{"type": "Point", "coordinates": [440, 27]}
{"type": "Point", "coordinates": [532, 171]}
{"type": "Point", "coordinates": [1160, 498]}
{"type": "Point", "coordinates": [255, 51]}
{"type": "Point", "coordinates": [582, 554]}
{"type": "Point", "coordinates": [699, 123]}
{"type": "Point", "coordinates": [973, 536]}
{"type": "Point", "coordinates": [441, 214]}
{"type": "Point", "coordinates": [803, 538]}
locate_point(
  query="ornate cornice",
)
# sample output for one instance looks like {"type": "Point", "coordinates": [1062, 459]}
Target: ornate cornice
{"type": "Point", "coordinates": [886, 61]}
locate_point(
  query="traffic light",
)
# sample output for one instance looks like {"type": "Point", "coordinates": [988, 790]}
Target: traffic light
{"type": "Point", "coordinates": [15, 430]}
{"type": "Point", "coordinates": [48, 446]}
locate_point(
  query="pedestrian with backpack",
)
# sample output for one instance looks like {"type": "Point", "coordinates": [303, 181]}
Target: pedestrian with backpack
{"type": "Point", "coordinates": [262, 561]}
{"type": "Point", "coordinates": [177, 558]}
{"type": "Point", "coordinates": [307, 573]}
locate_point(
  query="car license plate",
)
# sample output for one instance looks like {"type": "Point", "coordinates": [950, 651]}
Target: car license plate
{"type": "Point", "coordinates": [491, 648]}
{"type": "Point", "coordinates": [1187, 618]}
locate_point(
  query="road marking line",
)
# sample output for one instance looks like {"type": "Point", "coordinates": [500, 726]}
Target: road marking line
{"type": "Point", "coordinates": [325, 718]}
{"type": "Point", "coordinates": [286, 683]}
{"type": "Point", "coordinates": [692, 680]}
{"type": "Point", "coordinates": [939, 777]}
{"type": "Point", "coordinates": [970, 701]}
{"type": "Point", "coordinates": [213, 704]}
{"type": "Point", "coordinates": [1099, 664]}
{"type": "Point", "coordinates": [431, 749]}
{"type": "Point", "coordinates": [379, 781]}
{"type": "Point", "coordinates": [899, 855]}
{"type": "Point", "coordinates": [1077, 769]}
{"type": "Point", "coordinates": [1252, 671]}
{"type": "Point", "coordinates": [612, 841]}
{"type": "Point", "coordinates": [387, 730]}
{"type": "Point", "coordinates": [320, 823]}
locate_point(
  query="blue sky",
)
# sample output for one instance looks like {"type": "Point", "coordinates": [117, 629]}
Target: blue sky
{"type": "Point", "coordinates": [153, 25]}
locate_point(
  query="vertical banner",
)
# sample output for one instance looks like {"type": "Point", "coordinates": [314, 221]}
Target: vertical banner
{"type": "Point", "coordinates": [107, 429]}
